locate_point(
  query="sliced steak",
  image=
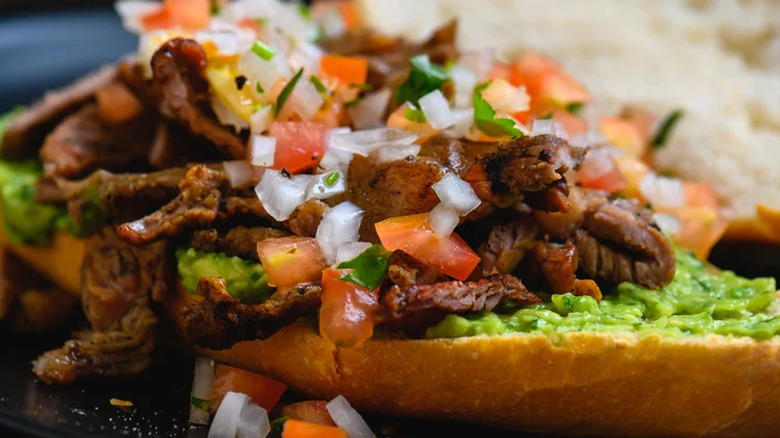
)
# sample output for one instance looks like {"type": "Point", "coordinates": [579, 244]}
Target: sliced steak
{"type": "Point", "coordinates": [218, 320]}
{"type": "Point", "coordinates": [507, 245]}
{"type": "Point", "coordinates": [25, 132]}
{"type": "Point", "coordinates": [306, 218]}
{"type": "Point", "coordinates": [558, 265]}
{"type": "Point", "coordinates": [117, 282]}
{"type": "Point", "coordinates": [421, 305]}
{"type": "Point", "coordinates": [178, 68]}
{"type": "Point", "coordinates": [619, 241]}
{"type": "Point", "coordinates": [404, 270]}
{"type": "Point", "coordinates": [83, 142]}
{"type": "Point", "coordinates": [239, 241]}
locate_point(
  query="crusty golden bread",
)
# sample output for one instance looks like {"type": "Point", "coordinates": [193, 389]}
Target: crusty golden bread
{"type": "Point", "coordinates": [580, 384]}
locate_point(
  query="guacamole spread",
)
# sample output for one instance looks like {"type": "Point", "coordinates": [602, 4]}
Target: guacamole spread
{"type": "Point", "coordinates": [700, 300]}
{"type": "Point", "coordinates": [245, 279]}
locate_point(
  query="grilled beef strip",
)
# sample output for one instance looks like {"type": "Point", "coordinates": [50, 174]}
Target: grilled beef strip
{"type": "Point", "coordinates": [25, 132]}
{"type": "Point", "coordinates": [558, 265]}
{"type": "Point", "coordinates": [218, 320]}
{"type": "Point", "coordinates": [178, 68]}
{"type": "Point", "coordinates": [117, 282]}
{"type": "Point", "coordinates": [404, 270]}
{"type": "Point", "coordinates": [238, 241]}
{"type": "Point", "coordinates": [507, 245]}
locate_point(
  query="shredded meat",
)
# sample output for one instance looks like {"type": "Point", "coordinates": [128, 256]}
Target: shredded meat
{"type": "Point", "coordinates": [25, 132]}
{"type": "Point", "coordinates": [404, 270]}
{"type": "Point", "coordinates": [218, 321]}
{"type": "Point", "coordinates": [507, 246]}
{"type": "Point", "coordinates": [619, 241]}
{"type": "Point", "coordinates": [83, 143]}
{"type": "Point", "coordinates": [587, 287]}
{"type": "Point", "coordinates": [558, 265]}
{"type": "Point", "coordinates": [554, 198]}
{"type": "Point", "coordinates": [306, 218]}
{"type": "Point", "coordinates": [117, 282]}
{"type": "Point", "coordinates": [421, 305]}
{"type": "Point", "coordinates": [178, 72]}
{"type": "Point", "coordinates": [239, 241]}
{"type": "Point", "coordinates": [197, 205]}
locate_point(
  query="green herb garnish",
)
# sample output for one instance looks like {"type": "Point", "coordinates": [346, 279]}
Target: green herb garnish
{"type": "Point", "coordinates": [288, 89]}
{"type": "Point", "coordinates": [368, 268]}
{"type": "Point", "coordinates": [200, 404]}
{"type": "Point", "coordinates": [259, 88]}
{"type": "Point", "coordinates": [662, 134]}
{"type": "Point", "coordinates": [262, 50]}
{"type": "Point", "coordinates": [485, 118]}
{"type": "Point", "coordinates": [318, 84]}
{"type": "Point", "coordinates": [304, 11]}
{"type": "Point", "coordinates": [332, 179]}
{"type": "Point", "coordinates": [547, 116]}
{"type": "Point", "coordinates": [353, 102]}
{"type": "Point", "coordinates": [415, 115]}
{"type": "Point", "coordinates": [574, 107]}
{"type": "Point", "coordinates": [424, 77]}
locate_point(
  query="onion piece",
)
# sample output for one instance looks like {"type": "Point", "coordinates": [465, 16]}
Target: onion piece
{"type": "Point", "coordinates": [239, 173]}
{"type": "Point", "coordinates": [463, 80]}
{"type": "Point", "coordinates": [347, 418]}
{"type": "Point", "coordinates": [543, 126]}
{"type": "Point", "coordinates": [443, 219]}
{"type": "Point", "coordinates": [200, 395]}
{"type": "Point", "coordinates": [669, 223]}
{"type": "Point", "coordinates": [131, 11]}
{"type": "Point", "coordinates": [364, 142]}
{"type": "Point", "coordinates": [334, 160]}
{"type": "Point", "coordinates": [262, 149]}
{"type": "Point", "coordinates": [306, 56]}
{"type": "Point", "coordinates": [456, 194]}
{"type": "Point", "coordinates": [464, 118]}
{"type": "Point", "coordinates": [304, 100]}
{"type": "Point", "coordinates": [350, 250]}
{"type": "Point", "coordinates": [261, 119]}
{"type": "Point", "coordinates": [662, 191]}
{"type": "Point", "coordinates": [339, 225]}
{"type": "Point", "coordinates": [225, 424]}
{"type": "Point", "coordinates": [371, 110]}
{"type": "Point", "coordinates": [253, 422]}
{"type": "Point", "coordinates": [326, 185]}
{"type": "Point", "coordinates": [395, 153]}
{"type": "Point", "coordinates": [437, 110]}
{"type": "Point", "coordinates": [279, 194]}
{"type": "Point", "coordinates": [225, 41]}
{"type": "Point", "coordinates": [267, 73]}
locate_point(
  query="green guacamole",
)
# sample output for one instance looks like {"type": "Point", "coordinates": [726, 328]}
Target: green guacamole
{"type": "Point", "coordinates": [700, 300]}
{"type": "Point", "coordinates": [245, 279]}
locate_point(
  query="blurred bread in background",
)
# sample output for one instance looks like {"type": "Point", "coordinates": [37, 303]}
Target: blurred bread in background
{"type": "Point", "coordinates": [717, 60]}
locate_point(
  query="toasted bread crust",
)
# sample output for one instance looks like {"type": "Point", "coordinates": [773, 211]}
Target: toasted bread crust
{"type": "Point", "coordinates": [580, 384]}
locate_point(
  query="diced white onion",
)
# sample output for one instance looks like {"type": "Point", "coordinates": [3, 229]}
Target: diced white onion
{"type": "Point", "coordinates": [226, 115]}
{"type": "Point", "coordinates": [335, 160]}
{"type": "Point", "coordinates": [262, 150]}
{"type": "Point", "coordinates": [253, 422]}
{"type": "Point", "coordinates": [130, 12]}
{"type": "Point", "coordinates": [305, 101]}
{"type": "Point", "coordinates": [331, 22]}
{"type": "Point", "coordinates": [443, 219]}
{"type": "Point", "coordinates": [262, 71]}
{"type": "Point", "coordinates": [395, 153]}
{"type": "Point", "coordinates": [364, 142]}
{"type": "Point", "coordinates": [225, 41]}
{"type": "Point", "coordinates": [319, 188]}
{"type": "Point", "coordinates": [306, 56]}
{"type": "Point", "coordinates": [202, 382]}
{"type": "Point", "coordinates": [437, 110]}
{"type": "Point", "coordinates": [668, 223]}
{"type": "Point", "coordinates": [350, 250]}
{"type": "Point", "coordinates": [662, 191]}
{"type": "Point", "coordinates": [261, 119]}
{"type": "Point", "coordinates": [339, 225]}
{"type": "Point", "coordinates": [464, 118]}
{"type": "Point", "coordinates": [347, 418]}
{"type": "Point", "coordinates": [284, 16]}
{"type": "Point", "coordinates": [463, 80]}
{"type": "Point", "coordinates": [371, 110]}
{"type": "Point", "coordinates": [543, 126]}
{"type": "Point", "coordinates": [456, 194]}
{"type": "Point", "coordinates": [225, 424]}
{"type": "Point", "coordinates": [505, 98]}
{"type": "Point", "coordinates": [239, 173]}
{"type": "Point", "coordinates": [281, 195]}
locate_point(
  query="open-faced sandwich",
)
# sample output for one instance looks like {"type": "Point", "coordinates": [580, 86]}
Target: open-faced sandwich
{"type": "Point", "coordinates": [425, 231]}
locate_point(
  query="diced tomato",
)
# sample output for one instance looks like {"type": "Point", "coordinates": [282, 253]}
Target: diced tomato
{"type": "Point", "coordinates": [700, 194]}
{"type": "Point", "coordinates": [347, 310]}
{"type": "Point", "coordinates": [299, 145]}
{"type": "Point", "coordinates": [116, 104]}
{"type": "Point", "coordinates": [348, 69]}
{"type": "Point", "coordinates": [572, 123]}
{"type": "Point", "coordinates": [301, 429]}
{"type": "Point", "coordinates": [546, 83]}
{"type": "Point", "coordinates": [157, 19]}
{"type": "Point", "coordinates": [291, 260]}
{"type": "Point", "coordinates": [599, 171]}
{"type": "Point", "coordinates": [311, 411]}
{"type": "Point", "coordinates": [449, 255]}
{"type": "Point", "coordinates": [262, 390]}
{"type": "Point", "coordinates": [500, 71]}
{"type": "Point", "coordinates": [623, 134]}
{"type": "Point", "coordinates": [190, 14]}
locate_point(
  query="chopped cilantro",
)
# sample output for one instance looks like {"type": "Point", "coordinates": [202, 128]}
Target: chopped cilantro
{"type": "Point", "coordinates": [286, 91]}
{"type": "Point", "coordinates": [574, 107]}
{"type": "Point", "coordinates": [353, 102]}
{"type": "Point", "coordinates": [415, 115]}
{"type": "Point", "coordinates": [332, 179]}
{"type": "Point", "coordinates": [368, 268]}
{"type": "Point", "coordinates": [486, 121]}
{"type": "Point", "coordinates": [362, 87]}
{"type": "Point", "coordinates": [259, 88]}
{"type": "Point", "coordinates": [262, 50]}
{"type": "Point", "coordinates": [662, 134]}
{"type": "Point", "coordinates": [547, 116]}
{"type": "Point", "coordinates": [304, 11]}
{"type": "Point", "coordinates": [424, 77]}
{"type": "Point", "coordinates": [200, 404]}
{"type": "Point", "coordinates": [318, 84]}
